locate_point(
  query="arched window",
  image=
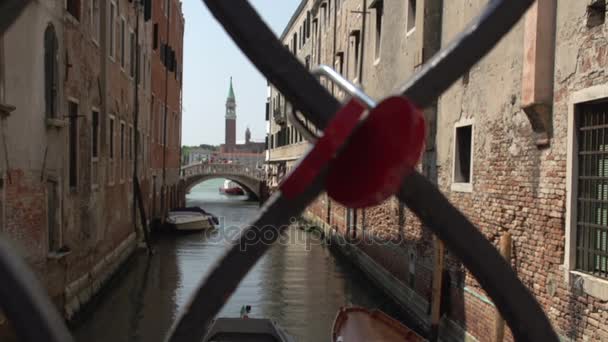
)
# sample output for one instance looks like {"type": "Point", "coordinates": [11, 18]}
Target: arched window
{"type": "Point", "coordinates": [50, 71]}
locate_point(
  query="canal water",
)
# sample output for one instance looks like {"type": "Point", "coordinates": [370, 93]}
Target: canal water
{"type": "Point", "coordinates": [299, 283]}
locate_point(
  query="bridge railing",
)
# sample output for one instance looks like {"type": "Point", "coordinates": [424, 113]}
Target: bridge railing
{"type": "Point", "coordinates": [222, 169]}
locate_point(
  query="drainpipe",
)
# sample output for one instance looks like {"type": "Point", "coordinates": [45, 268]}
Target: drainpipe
{"type": "Point", "coordinates": [163, 188]}
{"type": "Point", "coordinates": [363, 27]}
{"type": "Point", "coordinates": [135, 150]}
{"type": "Point", "coordinates": [333, 54]}
{"type": "Point", "coordinates": [3, 166]}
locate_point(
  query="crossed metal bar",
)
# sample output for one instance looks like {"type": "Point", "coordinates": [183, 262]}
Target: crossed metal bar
{"type": "Point", "coordinates": [35, 319]}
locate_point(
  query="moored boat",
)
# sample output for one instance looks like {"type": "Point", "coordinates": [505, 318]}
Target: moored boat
{"type": "Point", "coordinates": [230, 188]}
{"type": "Point", "coordinates": [246, 329]}
{"type": "Point", "coordinates": [354, 324]}
{"type": "Point", "coordinates": [189, 220]}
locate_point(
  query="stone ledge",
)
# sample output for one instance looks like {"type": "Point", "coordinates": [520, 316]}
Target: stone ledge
{"type": "Point", "coordinates": [57, 123]}
{"type": "Point", "coordinates": [593, 286]}
{"type": "Point", "coordinates": [80, 291]}
{"type": "Point", "coordinates": [6, 109]}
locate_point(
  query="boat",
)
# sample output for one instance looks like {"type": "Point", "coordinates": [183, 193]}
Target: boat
{"type": "Point", "coordinates": [189, 220]}
{"type": "Point", "coordinates": [246, 329]}
{"type": "Point", "coordinates": [198, 210]}
{"type": "Point", "coordinates": [353, 324]}
{"type": "Point", "coordinates": [230, 188]}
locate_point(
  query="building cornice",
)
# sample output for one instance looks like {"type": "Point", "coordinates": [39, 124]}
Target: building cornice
{"type": "Point", "coordinates": [294, 17]}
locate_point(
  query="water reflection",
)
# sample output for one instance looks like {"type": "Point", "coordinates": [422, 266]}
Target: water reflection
{"type": "Point", "coordinates": [299, 284]}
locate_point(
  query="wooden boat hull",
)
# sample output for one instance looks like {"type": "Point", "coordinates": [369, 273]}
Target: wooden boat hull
{"type": "Point", "coordinates": [355, 324]}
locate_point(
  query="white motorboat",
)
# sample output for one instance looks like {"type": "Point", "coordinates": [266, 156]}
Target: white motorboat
{"type": "Point", "coordinates": [189, 220]}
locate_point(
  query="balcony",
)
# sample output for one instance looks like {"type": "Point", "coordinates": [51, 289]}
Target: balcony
{"type": "Point", "coordinates": [279, 117]}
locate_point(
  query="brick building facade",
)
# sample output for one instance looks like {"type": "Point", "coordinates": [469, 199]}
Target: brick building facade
{"type": "Point", "coordinates": [166, 105]}
{"type": "Point", "coordinates": [516, 144]}
{"type": "Point", "coordinates": [75, 101]}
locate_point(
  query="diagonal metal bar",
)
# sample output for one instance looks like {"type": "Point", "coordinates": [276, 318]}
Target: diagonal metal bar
{"type": "Point", "coordinates": [223, 279]}
{"type": "Point", "coordinates": [10, 11]}
{"type": "Point", "coordinates": [524, 316]}
{"type": "Point", "coordinates": [26, 304]}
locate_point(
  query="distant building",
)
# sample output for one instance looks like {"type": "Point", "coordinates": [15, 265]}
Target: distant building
{"type": "Point", "coordinates": [199, 154]}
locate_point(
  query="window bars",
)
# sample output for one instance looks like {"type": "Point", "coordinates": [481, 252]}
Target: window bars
{"type": "Point", "coordinates": [592, 199]}
{"type": "Point", "coordinates": [35, 319]}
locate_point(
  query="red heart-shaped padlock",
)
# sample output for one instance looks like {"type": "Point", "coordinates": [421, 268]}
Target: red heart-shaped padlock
{"type": "Point", "coordinates": [383, 150]}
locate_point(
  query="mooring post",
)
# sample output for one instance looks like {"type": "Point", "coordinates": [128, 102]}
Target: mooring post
{"type": "Point", "coordinates": [505, 251]}
{"type": "Point", "coordinates": [436, 292]}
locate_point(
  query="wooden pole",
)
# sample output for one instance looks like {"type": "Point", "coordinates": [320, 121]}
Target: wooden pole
{"type": "Point", "coordinates": [436, 294]}
{"type": "Point", "coordinates": [142, 212]}
{"type": "Point", "coordinates": [505, 251]}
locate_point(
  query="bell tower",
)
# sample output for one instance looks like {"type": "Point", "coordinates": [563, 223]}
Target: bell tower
{"type": "Point", "coordinates": [230, 119]}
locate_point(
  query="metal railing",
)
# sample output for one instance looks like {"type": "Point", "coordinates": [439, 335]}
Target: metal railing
{"type": "Point", "coordinates": [222, 169]}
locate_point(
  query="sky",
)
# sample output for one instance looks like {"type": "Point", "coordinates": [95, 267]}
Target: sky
{"type": "Point", "coordinates": [210, 59]}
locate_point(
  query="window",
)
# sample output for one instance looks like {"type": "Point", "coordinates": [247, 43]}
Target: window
{"type": "Point", "coordinates": [596, 13]}
{"type": "Point", "coordinates": [52, 208]}
{"type": "Point", "coordinates": [95, 134]}
{"type": "Point", "coordinates": [155, 40]}
{"type": "Point", "coordinates": [411, 15]}
{"type": "Point", "coordinates": [340, 62]}
{"type": "Point", "coordinates": [73, 7]}
{"type": "Point", "coordinates": [132, 53]}
{"type": "Point", "coordinates": [73, 144]}
{"type": "Point", "coordinates": [112, 30]}
{"type": "Point", "coordinates": [111, 138]}
{"type": "Point", "coordinates": [166, 8]}
{"type": "Point", "coordinates": [379, 6]}
{"type": "Point", "coordinates": [592, 197]}
{"type": "Point", "coordinates": [463, 153]}
{"type": "Point", "coordinates": [112, 151]}
{"type": "Point", "coordinates": [51, 75]}
{"type": "Point", "coordinates": [95, 20]}
{"type": "Point", "coordinates": [131, 137]}
{"type": "Point", "coordinates": [308, 18]}
{"type": "Point", "coordinates": [122, 151]}
{"type": "Point", "coordinates": [355, 46]}
{"type": "Point", "coordinates": [122, 42]}
{"type": "Point", "coordinates": [122, 141]}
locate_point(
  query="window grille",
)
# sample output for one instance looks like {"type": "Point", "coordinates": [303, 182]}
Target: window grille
{"type": "Point", "coordinates": [592, 192]}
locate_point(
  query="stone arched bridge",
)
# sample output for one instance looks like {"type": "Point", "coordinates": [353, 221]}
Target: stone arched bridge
{"type": "Point", "coordinates": [250, 179]}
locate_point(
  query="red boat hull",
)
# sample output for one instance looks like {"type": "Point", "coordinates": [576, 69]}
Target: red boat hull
{"type": "Point", "coordinates": [232, 191]}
